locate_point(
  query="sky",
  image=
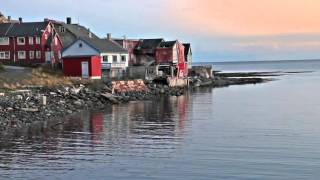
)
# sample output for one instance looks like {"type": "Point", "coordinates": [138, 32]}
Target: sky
{"type": "Point", "coordinates": [219, 30]}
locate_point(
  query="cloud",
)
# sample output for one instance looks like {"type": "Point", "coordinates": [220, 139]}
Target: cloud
{"type": "Point", "coordinates": [247, 17]}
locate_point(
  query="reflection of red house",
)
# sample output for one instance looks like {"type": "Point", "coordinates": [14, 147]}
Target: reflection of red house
{"type": "Point", "coordinates": [172, 52]}
{"type": "Point", "coordinates": [96, 123]}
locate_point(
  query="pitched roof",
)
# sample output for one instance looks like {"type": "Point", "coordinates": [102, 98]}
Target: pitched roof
{"type": "Point", "coordinates": [187, 47]}
{"type": "Point", "coordinates": [149, 43]}
{"type": "Point", "coordinates": [104, 45]}
{"type": "Point", "coordinates": [75, 31]}
{"type": "Point", "coordinates": [22, 29]}
{"type": "Point", "coordinates": [167, 44]}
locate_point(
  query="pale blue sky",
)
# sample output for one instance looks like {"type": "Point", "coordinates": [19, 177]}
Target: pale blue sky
{"type": "Point", "coordinates": [167, 19]}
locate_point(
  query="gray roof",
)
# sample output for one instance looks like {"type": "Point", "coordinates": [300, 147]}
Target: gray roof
{"type": "Point", "coordinates": [104, 45]}
{"type": "Point", "coordinates": [73, 32]}
{"type": "Point", "coordinates": [187, 47]}
{"type": "Point", "coordinates": [149, 43]}
{"type": "Point", "coordinates": [167, 44]}
{"type": "Point", "coordinates": [22, 29]}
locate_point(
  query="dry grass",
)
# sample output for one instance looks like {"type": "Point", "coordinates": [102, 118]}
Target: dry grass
{"type": "Point", "coordinates": [39, 77]}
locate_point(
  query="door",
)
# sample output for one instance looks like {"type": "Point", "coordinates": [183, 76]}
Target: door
{"type": "Point", "coordinates": [48, 56]}
{"type": "Point", "coordinates": [85, 69]}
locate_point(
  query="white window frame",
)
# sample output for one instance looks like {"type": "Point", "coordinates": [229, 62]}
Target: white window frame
{"type": "Point", "coordinates": [62, 29]}
{"type": "Point", "coordinates": [30, 40]}
{"type": "Point", "coordinates": [31, 54]}
{"type": "Point", "coordinates": [114, 59]}
{"type": "Point", "coordinates": [105, 58]}
{"type": "Point", "coordinates": [4, 54]}
{"type": "Point", "coordinates": [38, 40]}
{"type": "Point", "coordinates": [125, 58]}
{"type": "Point", "coordinates": [21, 38]}
{"type": "Point", "coordinates": [38, 54]}
{"type": "Point", "coordinates": [4, 41]}
{"type": "Point", "coordinates": [22, 56]}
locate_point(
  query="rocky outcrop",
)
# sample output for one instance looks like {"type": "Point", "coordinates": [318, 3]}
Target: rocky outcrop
{"type": "Point", "coordinates": [22, 108]}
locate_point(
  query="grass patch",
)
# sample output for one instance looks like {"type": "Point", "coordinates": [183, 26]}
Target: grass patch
{"type": "Point", "coordinates": [1, 67]}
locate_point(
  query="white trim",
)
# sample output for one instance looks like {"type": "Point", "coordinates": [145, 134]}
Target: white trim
{"type": "Point", "coordinates": [21, 43]}
{"type": "Point", "coordinates": [20, 56]}
{"type": "Point", "coordinates": [3, 54]}
{"type": "Point", "coordinates": [30, 38]}
{"type": "Point", "coordinates": [38, 40]}
{"type": "Point", "coordinates": [6, 41]}
{"type": "Point", "coordinates": [95, 77]}
{"type": "Point", "coordinates": [38, 54]}
{"type": "Point", "coordinates": [31, 53]}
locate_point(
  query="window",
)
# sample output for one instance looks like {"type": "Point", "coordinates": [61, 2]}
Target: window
{"type": "Point", "coordinates": [46, 36]}
{"type": "Point", "coordinates": [62, 29]}
{"type": "Point", "coordinates": [80, 45]}
{"type": "Point", "coordinates": [114, 59]}
{"type": "Point", "coordinates": [123, 58]}
{"type": "Point", "coordinates": [21, 41]}
{"type": "Point", "coordinates": [38, 54]}
{"type": "Point", "coordinates": [4, 41]}
{"type": "Point", "coordinates": [31, 54]}
{"type": "Point", "coordinates": [21, 55]}
{"type": "Point", "coordinates": [5, 55]}
{"type": "Point", "coordinates": [38, 40]}
{"type": "Point", "coordinates": [105, 58]}
{"type": "Point", "coordinates": [30, 40]}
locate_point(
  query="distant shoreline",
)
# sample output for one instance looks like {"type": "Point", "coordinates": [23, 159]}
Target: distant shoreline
{"type": "Point", "coordinates": [256, 61]}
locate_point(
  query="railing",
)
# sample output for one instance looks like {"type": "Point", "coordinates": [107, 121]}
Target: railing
{"type": "Point", "coordinates": [112, 65]}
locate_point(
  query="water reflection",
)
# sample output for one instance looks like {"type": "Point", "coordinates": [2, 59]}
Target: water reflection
{"type": "Point", "coordinates": [137, 129]}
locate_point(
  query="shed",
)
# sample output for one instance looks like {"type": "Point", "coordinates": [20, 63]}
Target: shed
{"type": "Point", "coordinates": [88, 67]}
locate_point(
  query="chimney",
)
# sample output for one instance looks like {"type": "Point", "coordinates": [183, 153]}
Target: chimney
{"type": "Point", "coordinates": [20, 19]}
{"type": "Point", "coordinates": [109, 36]}
{"type": "Point", "coordinates": [68, 20]}
{"type": "Point", "coordinates": [9, 18]}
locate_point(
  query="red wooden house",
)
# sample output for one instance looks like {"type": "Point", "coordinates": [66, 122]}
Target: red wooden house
{"type": "Point", "coordinates": [29, 43]}
{"type": "Point", "coordinates": [172, 53]}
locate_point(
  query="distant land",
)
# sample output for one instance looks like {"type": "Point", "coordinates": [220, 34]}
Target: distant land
{"type": "Point", "coordinates": [255, 61]}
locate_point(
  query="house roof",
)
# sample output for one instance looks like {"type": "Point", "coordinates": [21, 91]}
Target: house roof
{"type": "Point", "coordinates": [75, 31]}
{"type": "Point", "coordinates": [22, 29]}
{"type": "Point", "coordinates": [187, 47]}
{"type": "Point", "coordinates": [104, 45]}
{"type": "Point", "coordinates": [167, 44]}
{"type": "Point", "coordinates": [149, 43]}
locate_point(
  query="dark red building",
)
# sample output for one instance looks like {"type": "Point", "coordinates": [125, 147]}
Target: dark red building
{"type": "Point", "coordinates": [88, 67]}
{"type": "Point", "coordinates": [29, 43]}
{"type": "Point", "coordinates": [172, 53]}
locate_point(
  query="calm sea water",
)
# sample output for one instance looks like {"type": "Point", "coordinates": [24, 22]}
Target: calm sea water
{"type": "Point", "coordinates": [265, 131]}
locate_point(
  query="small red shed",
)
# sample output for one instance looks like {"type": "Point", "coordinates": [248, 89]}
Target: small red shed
{"type": "Point", "coordinates": [88, 67]}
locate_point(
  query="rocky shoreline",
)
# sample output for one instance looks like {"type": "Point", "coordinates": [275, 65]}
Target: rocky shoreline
{"type": "Point", "coordinates": [20, 109]}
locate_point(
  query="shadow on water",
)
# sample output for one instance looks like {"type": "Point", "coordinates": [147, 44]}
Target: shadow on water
{"type": "Point", "coordinates": [134, 129]}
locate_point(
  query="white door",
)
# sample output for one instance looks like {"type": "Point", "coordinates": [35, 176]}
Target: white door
{"type": "Point", "coordinates": [48, 56]}
{"type": "Point", "coordinates": [85, 69]}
